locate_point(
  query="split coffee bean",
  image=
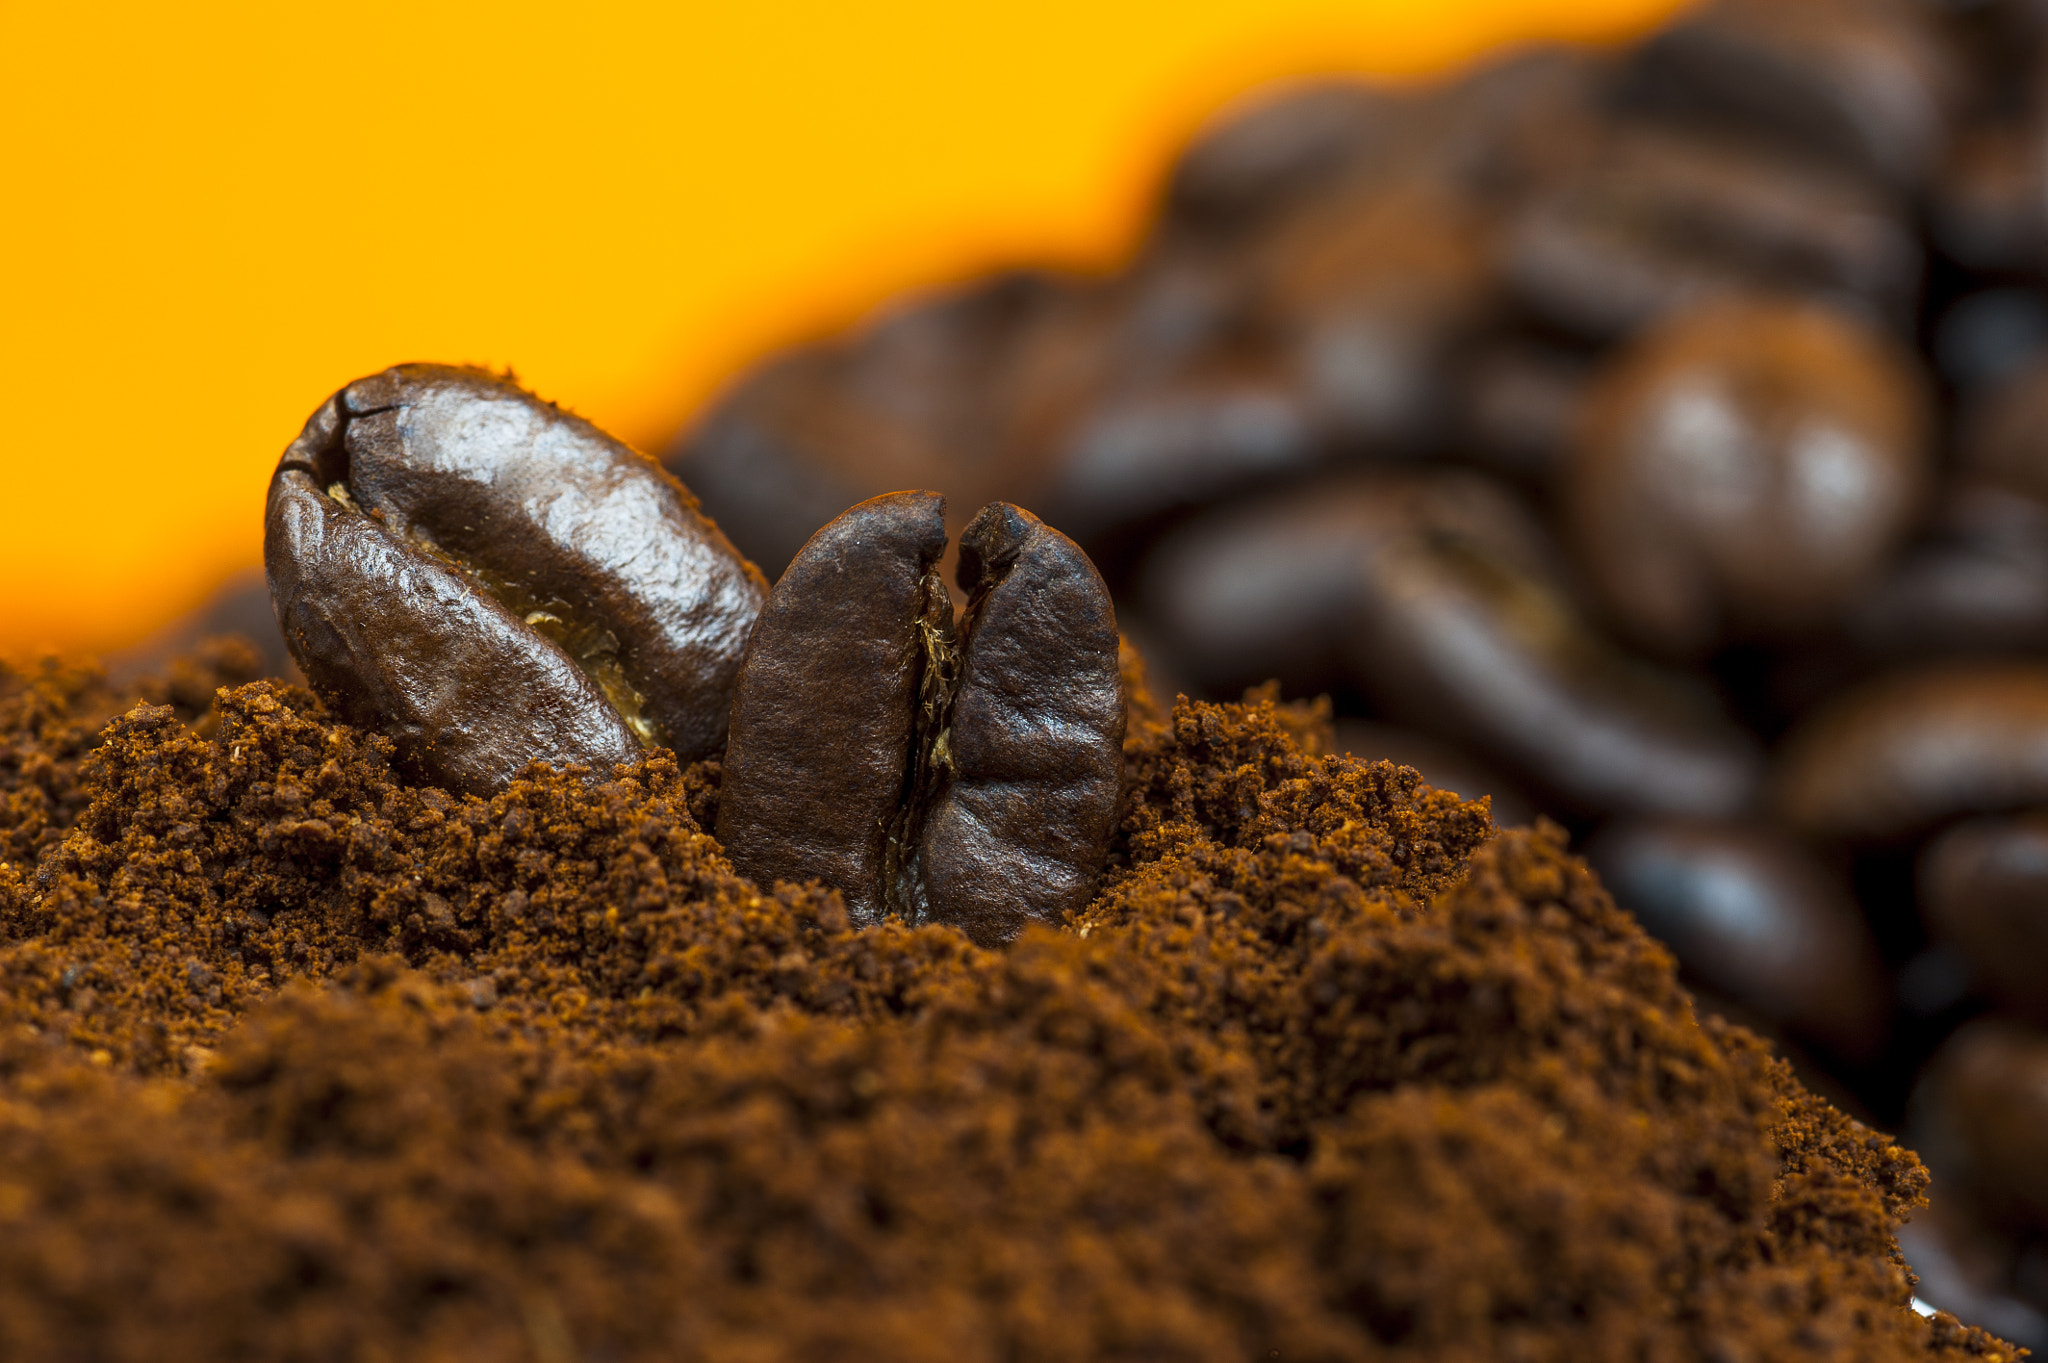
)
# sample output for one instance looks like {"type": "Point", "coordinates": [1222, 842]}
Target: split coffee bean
{"type": "Point", "coordinates": [491, 581]}
{"type": "Point", "coordinates": [963, 775]}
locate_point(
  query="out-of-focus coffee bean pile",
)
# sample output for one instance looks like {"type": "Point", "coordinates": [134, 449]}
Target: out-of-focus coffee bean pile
{"type": "Point", "coordinates": [1656, 440]}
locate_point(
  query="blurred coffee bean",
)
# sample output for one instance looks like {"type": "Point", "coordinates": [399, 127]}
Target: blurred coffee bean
{"type": "Point", "coordinates": [1910, 750]}
{"type": "Point", "coordinates": [1980, 1118]}
{"type": "Point", "coordinates": [1847, 82]}
{"type": "Point", "coordinates": [965, 778]}
{"type": "Point", "coordinates": [1984, 888]}
{"type": "Point", "coordinates": [491, 581]}
{"type": "Point", "coordinates": [903, 403]}
{"type": "Point", "coordinates": [1369, 295]}
{"type": "Point", "coordinates": [2005, 430]}
{"type": "Point", "coordinates": [1743, 470]}
{"type": "Point", "coordinates": [1990, 202]}
{"type": "Point", "coordinates": [1985, 336]}
{"type": "Point", "coordinates": [1658, 221]}
{"type": "Point", "coordinates": [1435, 595]}
{"type": "Point", "coordinates": [1519, 403]}
{"type": "Point", "coordinates": [1258, 156]}
{"type": "Point", "coordinates": [1973, 582]}
{"type": "Point", "coordinates": [1755, 917]}
{"type": "Point", "coordinates": [1442, 765]}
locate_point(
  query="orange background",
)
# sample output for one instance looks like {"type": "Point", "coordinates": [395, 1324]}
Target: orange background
{"type": "Point", "coordinates": [216, 214]}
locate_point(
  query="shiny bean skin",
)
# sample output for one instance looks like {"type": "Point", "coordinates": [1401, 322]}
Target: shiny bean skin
{"type": "Point", "coordinates": [1755, 917]}
{"type": "Point", "coordinates": [1743, 472]}
{"type": "Point", "coordinates": [1910, 750]}
{"type": "Point", "coordinates": [490, 581]}
{"type": "Point", "coordinates": [1974, 581]}
{"type": "Point", "coordinates": [963, 777]}
{"type": "Point", "coordinates": [1435, 595]}
{"type": "Point", "coordinates": [1984, 889]}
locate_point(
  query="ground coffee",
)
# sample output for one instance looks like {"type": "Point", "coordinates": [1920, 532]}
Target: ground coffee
{"type": "Point", "coordinates": [301, 1061]}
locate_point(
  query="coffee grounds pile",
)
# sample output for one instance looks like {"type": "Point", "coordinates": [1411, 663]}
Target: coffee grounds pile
{"type": "Point", "coordinates": [300, 1062]}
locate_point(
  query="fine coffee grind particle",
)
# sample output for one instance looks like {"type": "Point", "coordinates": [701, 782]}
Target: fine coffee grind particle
{"type": "Point", "coordinates": [299, 1061]}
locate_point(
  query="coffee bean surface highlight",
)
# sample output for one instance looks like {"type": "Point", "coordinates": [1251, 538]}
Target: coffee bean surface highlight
{"type": "Point", "coordinates": [965, 775]}
{"type": "Point", "coordinates": [490, 581]}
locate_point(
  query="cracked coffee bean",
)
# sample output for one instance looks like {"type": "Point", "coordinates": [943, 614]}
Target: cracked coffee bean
{"type": "Point", "coordinates": [491, 581]}
{"type": "Point", "coordinates": [963, 775]}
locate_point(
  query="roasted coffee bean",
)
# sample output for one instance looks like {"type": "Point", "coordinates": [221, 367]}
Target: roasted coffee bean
{"type": "Point", "coordinates": [966, 778]}
{"type": "Point", "coordinates": [1872, 86]}
{"type": "Point", "coordinates": [906, 402]}
{"type": "Point", "coordinates": [1519, 404]}
{"type": "Point", "coordinates": [1261, 156]}
{"type": "Point", "coordinates": [1967, 1268]}
{"type": "Point", "coordinates": [1910, 750]}
{"type": "Point", "coordinates": [1985, 337]}
{"type": "Point", "coordinates": [1980, 1116]}
{"type": "Point", "coordinates": [1984, 890]}
{"type": "Point", "coordinates": [1435, 595]}
{"type": "Point", "coordinates": [1974, 581]}
{"type": "Point", "coordinates": [1656, 222]}
{"type": "Point", "coordinates": [2005, 430]}
{"type": "Point", "coordinates": [1755, 917]}
{"type": "Point", "coordinates": [1990, 208]}
{"type": "Point", "coordinates": [1743, 471]}
{"type": "Point", "coordinates": [492, 581]}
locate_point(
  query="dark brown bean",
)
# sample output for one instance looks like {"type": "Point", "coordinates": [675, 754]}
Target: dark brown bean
{"type": "Point", "coordinates": [1967, 1268]}
{"type": "Point", "coordinates": [2005, 430]}
{"type": "Point", "coordinates": [1910, 750]}
{"type": "Point", "coordinates": [1980, 1115]}
{"type": "Point", "coordinates": [1755, 917]}
{"type": "Point", "coordinates": [1975, 581]}
{"type": "Point", "coordinates": [493, 581]}
{"type": "Point", "coordinates": [1656, 222]}
{"type": "Point", "coordinates": [1871, 86]}
{"type": "Point", "coordinates": [1259, 157]}
{"type": "Point", "coordinates": [1984, 890]}
{"type": "Point", "coordinates": [1435, 594]}
{"type": "Point", "coordinates": [969, 779]}
{"type": "Point", "coordinates": [1744, 470]}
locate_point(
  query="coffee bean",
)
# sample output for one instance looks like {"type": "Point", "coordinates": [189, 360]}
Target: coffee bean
{"type": "Point", "coordinates": [1872, 86]}
{"type": "Point", "coordinates": [1755, 917]}
{"type": "Point", "coordinates": [966, 777]}
{"type": "Point", "coordinates": [1909, 750]}
{"type": "Point", "coordinates": [1980, 1116]}
{"type": "Point", "coordinates": [2003, 435]}
{"type": "Point", "coordinates": [1743, 471]}
{"type": "Point", "coordinates": [1436, 595]}
{"type": "Point", "coordinates": [1984, 889]}
{"type": "Point", "coordinates": [1974, 581]}
{"type": "Point", "coordinates": [491, 581]}
{"type": "Point", "coordinates": [1260, 157]}
{"type": "Point", "coordinates": [1656, 222]}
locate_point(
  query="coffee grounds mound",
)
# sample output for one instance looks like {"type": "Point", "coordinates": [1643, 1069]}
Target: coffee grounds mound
{"type": "Point", "coordinates": [301, 1062]}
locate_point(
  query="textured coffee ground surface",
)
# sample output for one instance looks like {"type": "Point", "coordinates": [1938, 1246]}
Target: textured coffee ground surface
{"type": "Point", "coordinates": [301, 1062]}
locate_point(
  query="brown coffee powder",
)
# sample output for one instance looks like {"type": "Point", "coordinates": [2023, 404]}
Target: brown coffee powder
{"type": "Point", "coordinates": [297, 1061]}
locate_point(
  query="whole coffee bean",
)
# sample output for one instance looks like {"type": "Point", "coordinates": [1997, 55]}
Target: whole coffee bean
{"type": "Point", "coordinates": [1984, 890]}
{"type": "Point", "coordinates": [1434, 595]}
{"type": "Point", "coordinates": [966, 778]}
{"type": "Point", "coordinates": [1870, 86]}
{"type": "Point", "coordinates": [1370, 294]}
{"type": "Point", "coordinates": [1967, 1268]}
{"type": "Point", "coordinates": [1262, 155]}
{"type": "Point", "coordinates": [1744, 470]}
{"type": "Point", "coordinates": [1980, 1116]}
{"type": "Point", "coordinates": [1657, 222]}
{"type": "Point", "coordinates": [1974, 581]}
{"type": "Point", "coordinates": [492, 581]}
{"type": "Point", "coordinates": [1909, 750]}
{"type": "Point", "coordinates": [1990, 202]}
{"type": "Point", "coordinates": [1520, 402]}
{"type": "Point", "coordinates": [1986, 336]}
{"type": "Point", "coordinates": [905, 402]}
{"type": "Point", "coordinates": [1755, 917]}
